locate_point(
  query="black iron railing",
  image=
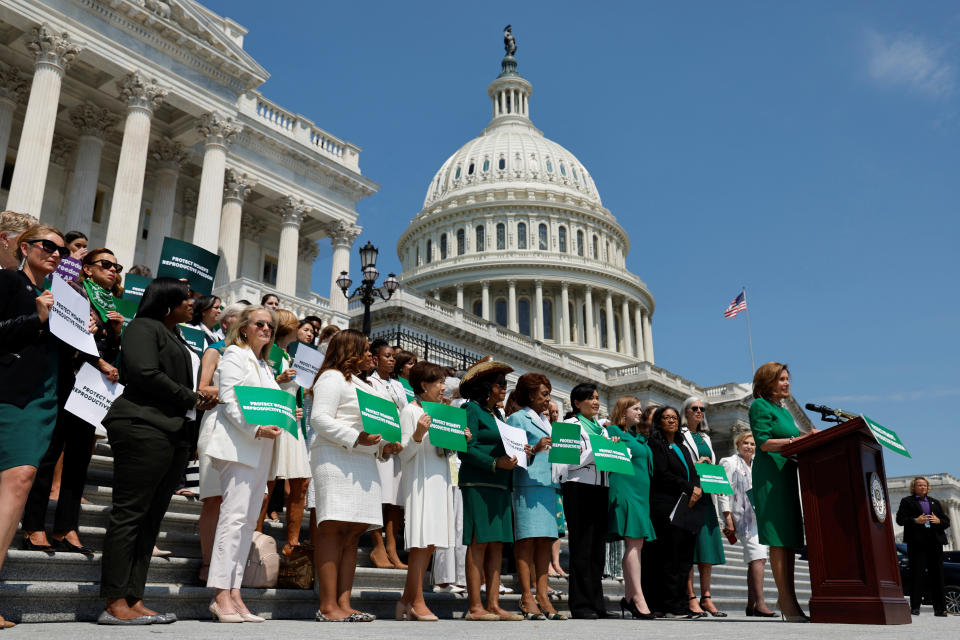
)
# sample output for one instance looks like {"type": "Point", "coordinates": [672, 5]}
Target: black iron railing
{"type": "Point", "coordinates": [428, 348]}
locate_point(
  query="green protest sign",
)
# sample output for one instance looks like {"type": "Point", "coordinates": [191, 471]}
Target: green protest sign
{"type": "Point", "coordinates": [611, 456]}
{"type": "Point", "coordinates": [194, 338]}
{"type": "Point", "coordinates": [134, 286]}
{"type": "Point", "coordinates": [886, 437]}
{"type": "Point", "coordinates": [446, 426]}
{"type": "Point", "coordinates": [276, 356]}
{"type": "Point", "coordinates": [406, 387]}
{"type": "Point", "coordinates": [566, 443]}
{"type": "Point", "coordinates": [268, 407]}
{"type": "Point", "coordinates": [179, 259]}
{"type": "Point", "coordinates": [126, 308]}
{"type": "Point", "coordinates": [379, 415]}
{"type": "Point", "coordinates": [713, 478]}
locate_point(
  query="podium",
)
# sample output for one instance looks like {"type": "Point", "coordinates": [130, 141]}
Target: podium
{"type": "Point", "coordinates": [848, 520]}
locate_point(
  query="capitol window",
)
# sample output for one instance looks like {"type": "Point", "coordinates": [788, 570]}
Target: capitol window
{"type": "Point", "coordinates": [270, 270]}
{"type": "Point", "coordinates": [486, 165]}
{"type": "Point", "coordinates": [603, 329]}
{"type": "Point", "coordinates": [418, 256]}
{"type": "Point", "coordinates": [542, 236]}
{"type": "Point", "coordinates": [549, 166]}
{"type": "Point", "coordinates": [501, 312]}
{"type": "Point", "coordinates": [607, 254]}
{"type": "Point", "coordinates": [479, 238]}
{"type": "Point", "coordinates": [521, 235]}
{"type": "Point", "coordinates": [461, 242]}
{"type": "Point", "coordinates": [456, 176]}
{"type": "Point", "coordinates": [579, 243]}
{"type": "Point", "coordinates": [443, 246]}
{"type": "Point", "coordinates": [562, 234]}
{"type": "Point", "coordinates": [563, 170]}
{"type": "Point", "coordinates": [547, 319]}
{"type": "Point", "coordinates": [502, 164]}
{"type": "Point", "coordinates": [478, 308]}
{"type": "Point", "coordinates": [470, 169]}
{"type": "Point", "coordinates": [574, 169]}
{"type": "Point", "coordinates": [596, 247]}
{"type": "Point", "coordinates": [429, 250]}
{"type": "Point", "coordinates": [523, 316]}
{"type": "Point", "coordinates": [501, 236]}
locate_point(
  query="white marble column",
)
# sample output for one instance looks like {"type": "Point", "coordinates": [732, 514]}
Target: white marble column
{"type": "Point", "coordinates": [485, 300]}
{"type": "Point", "coordinates": [611, 324]}
{"type": "Point", "coordinates": [142, 97]}
{"type": "Point", "coordinates": [169, 156]}
{"type": "Point", "coordinates": [625, 327]}
{"type": "Point", "coordinates": [307, 252]}
{"type": "Point", "coordinates": [538, 309]}
{"type": "Point", "coordinates": [638, 330]}
{"type": "Point", "coordinates": [564, 313]}
{"type": "Point", "coordinates": [92, 122]}
{"type": "Point", "coordinates": [218, 132]}
{"type": "Point", "coordinates": [647, 338]}
{"type": "Point", "coordinates": [13, 88]}
{"type": "Point", "coordinates": [590, 330]}
{"type": "Point", "coordinates": [291, 212]}
{"type": "Point", "coordinates": [512, 305]}
{"type": "Point", "coordinates": [460, 295]}
{"type": "Point", "coordinates": [236, 188]}
{"type": "Point", "coordinates": [53, 53]}
{"type": "Point", "coordinates": [341, 236]}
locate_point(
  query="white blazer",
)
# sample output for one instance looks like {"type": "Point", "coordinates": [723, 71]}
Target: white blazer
{"type": "Point", "coordinates": [691, 444]}
{"type": "Point", "coordinates": [224, 434]}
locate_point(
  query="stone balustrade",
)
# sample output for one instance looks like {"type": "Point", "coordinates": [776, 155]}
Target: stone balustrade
{"type": "Point", "coordinates": [252, 290]}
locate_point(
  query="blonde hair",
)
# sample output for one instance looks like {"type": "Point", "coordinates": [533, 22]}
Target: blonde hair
{"type": "Point", "coordinates": [15, 223]}
{"type": "Point", "coordinates": [913, 483]}
{"type": "Point", "coordinates": [740, 438]}
{"type": "Point", "coordinates": [33, 233]}
{"type": "Point", "coordinates": [234, 337]}
{"type": "Point", "coordinates": [618, 415]}
{"type": "Point", "coordinates": [286, 323]}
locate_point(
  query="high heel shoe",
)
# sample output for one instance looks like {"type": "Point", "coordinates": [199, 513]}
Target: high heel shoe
{"type": "Point", "coordinates": [631, 606]}
{"type": "Point", "coordinates": [785, 618]}
{"type": "Point", "coordinates": [406, 612]}
{"type": "Point", "coordinates": [715, 613]}
{"type": "Point", "coordinates": [530, 615]}
{"type": "Point", "coordinates": [249, 617]}
{"type": "Point", "coordinates": [224, 617]}
{"type": "Point", "coordinates": [761, 614]}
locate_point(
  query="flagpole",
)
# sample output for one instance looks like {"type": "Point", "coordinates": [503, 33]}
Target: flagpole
{"type": "Point", "coordinates": [753, 363]}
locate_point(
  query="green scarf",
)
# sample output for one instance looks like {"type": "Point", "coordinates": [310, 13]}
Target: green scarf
{"type": "Point", "coordinates": [592, 426]}
{"type": "Point", "coordinates": [100, 298]}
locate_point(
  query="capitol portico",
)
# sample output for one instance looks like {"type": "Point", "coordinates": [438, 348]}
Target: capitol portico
{"type": "Point", "coordinates": [141, 119]}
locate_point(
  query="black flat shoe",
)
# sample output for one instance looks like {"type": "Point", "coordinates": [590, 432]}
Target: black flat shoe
{"type": "Point", "coordinates": [607, 615]}
{"type": "Point", "coordinates": [63, 545]}
{"type": "Point", "coordinates": [27, 545]}
{"type": "Point", "coordinates": [768, 614]}
{"type": "Point", "coordinates": [914, 612]}
{"type": "Point", "coordinates": [584, 615]}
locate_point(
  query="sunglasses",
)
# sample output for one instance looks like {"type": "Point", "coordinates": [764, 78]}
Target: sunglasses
{"type": "Point", "coordinates": [107, 265]}
{"type": "Point", "coordinates": [698, 409]}
{"type": "Point", "coordinates": [260, 324]}
{"type": "Point", "coordinates": [50, 246]}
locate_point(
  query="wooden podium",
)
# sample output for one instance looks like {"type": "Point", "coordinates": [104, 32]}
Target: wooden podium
{"type": "Point", "coordinates": [848, 521]}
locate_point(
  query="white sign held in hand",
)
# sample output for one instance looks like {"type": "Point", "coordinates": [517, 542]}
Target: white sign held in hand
{"type": "Point", "coordinates": [70, 317]}
{"type": "Point", "coordinates": [92, 395]}
{"type": "Point", "coordinates": [307, 362]}
{"type": "Point", "coordinates": [514, 440]}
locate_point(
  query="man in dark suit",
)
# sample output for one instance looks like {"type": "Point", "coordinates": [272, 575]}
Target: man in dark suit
{"type": "Point", "coordinates": [923, 522]}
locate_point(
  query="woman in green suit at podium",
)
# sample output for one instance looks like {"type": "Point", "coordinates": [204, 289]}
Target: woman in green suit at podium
{"type": "Point", "coordinates": [776, 490]}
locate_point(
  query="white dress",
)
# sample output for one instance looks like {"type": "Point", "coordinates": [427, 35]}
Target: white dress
{"type": "Point", "coordinates": [290, 458]}
{"type": "Point", "coordinates": [426, 488]}
{"type": "Point", "coordinates": [345, 478]}
{"type": "Point", "coordinates": [390, 472]}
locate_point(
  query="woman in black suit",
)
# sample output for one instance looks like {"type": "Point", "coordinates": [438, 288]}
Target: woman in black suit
{"type": "Point", "coordinates": [147, 431]}
{"type": "Point", "coordinates": [923, 521]}
{"type": "Point", "coordinates": [672, 552]}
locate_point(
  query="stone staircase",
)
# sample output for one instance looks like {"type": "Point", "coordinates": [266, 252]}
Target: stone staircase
{"type": "Point", "coordinates": [61, 587]}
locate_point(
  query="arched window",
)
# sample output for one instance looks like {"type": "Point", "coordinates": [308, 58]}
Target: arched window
{"type": "Point", "coordinates": [616, 331]}
{"type": "Point", "coordinates": [573, 323]}
{"type": "Point", "coordinates": [579, 243]}
{"type": "Point", "coordinates": [563, 170]}
{"type": "Point", "coordinates": [501, 236]}
{"type": "Point", "coordinates": [429, 250]}
{"type": "Point", "coordinates": [562, 233]}
{"type": "Point", "coordinates": [521, 235]}
{"type": "Point", "coordinates": [443, 246]}
{"type": "Point", "coordinates": [479, 238]}
{"type": "Point", "coordinates": [470, 169]}
{"type": "Point", "coordinates": [478, 308]}
{"type": "Point", "coordinates": [461, 242]}
{"type": "Point", "coordinates": [502, 164]}
{"type": "Point", "coordinates": [596, 248]}
{"type": "Point", "coordinates": [486, 165]}
{"type": "Point", "coordinates": [501, 312]}
{"type": "Point", "coordinates": [418, 255]}
{"type": "Point", "coordinates": [542, 236]}
{"type": "Point", "coordinates": [523, 316]}
{"type": "Point", "coordinates": [603, 329]}
{"type": "Point", "coordinates": [547, 319]}
{"type": "Point", "coordinates": [456, 176]}
{"type": "Point", "coordinates": [549, 166]}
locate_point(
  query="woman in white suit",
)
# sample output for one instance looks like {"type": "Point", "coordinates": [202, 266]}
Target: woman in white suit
{"type": "Point", "coordinates": [344, 461]}
{"type": "Point", "coordinates": [240, 453]}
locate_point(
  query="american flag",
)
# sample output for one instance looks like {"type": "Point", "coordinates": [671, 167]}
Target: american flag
{"type": "Point", "coordinates": [739, 304]}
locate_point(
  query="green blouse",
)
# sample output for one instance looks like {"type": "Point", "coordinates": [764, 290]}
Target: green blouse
{"type": "Point", "coordinates": [479, 468]}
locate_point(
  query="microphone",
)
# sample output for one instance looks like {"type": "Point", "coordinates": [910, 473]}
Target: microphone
{"type": "Point", "coordinates": [824, 411]}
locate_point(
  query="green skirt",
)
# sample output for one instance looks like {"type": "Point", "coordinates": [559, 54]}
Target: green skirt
{"type": "Point", "coordinates": [487, 515]}
{"type": "Point", "coordinates": [709, 549]}
{"type": "Point", "coordinates": [25, 433]}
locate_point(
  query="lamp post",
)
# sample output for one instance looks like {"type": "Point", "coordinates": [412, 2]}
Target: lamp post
{"type": "Point", "coordinates": [365, 292]}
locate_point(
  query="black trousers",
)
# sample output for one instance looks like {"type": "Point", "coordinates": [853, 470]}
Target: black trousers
{"type": "Point", "coordinates": [926, 570]}
{"type": "Point", "coordinates": [73, 438]}
{"type": "Point", "coordinates": [585, 508]}
{"type": "Point", "coordinates": [147, 464]}
{"type": "Point", "coordinates": [669, 559]}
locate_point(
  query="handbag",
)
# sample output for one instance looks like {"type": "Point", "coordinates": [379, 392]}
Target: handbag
{"type": "Point", "coordinates": [296, 570]}
{"type": "Point", "coordinates": [263, 563]}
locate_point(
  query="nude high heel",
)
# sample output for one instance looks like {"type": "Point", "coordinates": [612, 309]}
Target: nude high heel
{"type": "Point", "coordinates": [224, 617]}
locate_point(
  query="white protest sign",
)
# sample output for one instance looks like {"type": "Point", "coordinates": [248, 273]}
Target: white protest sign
{"type": "Point", "coordinates": [70, 317]}
{"type": "Point", "coordinates": [92, 395]}
{"type": "Point", "coordinates": [514, 440]}
{"type": "Point", "coordinates": [307, 362]}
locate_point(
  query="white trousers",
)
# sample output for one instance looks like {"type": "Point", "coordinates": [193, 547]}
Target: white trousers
{"type": "Point", "coordinates": [243, 489]}
{"type": "Point", "coordinates": [449, 565]}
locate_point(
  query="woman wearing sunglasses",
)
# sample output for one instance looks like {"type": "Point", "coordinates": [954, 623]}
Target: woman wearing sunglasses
{"type": "Point", "coordinates": [73, 437]}
{"type": "Point", "coordinates": [28, 372]}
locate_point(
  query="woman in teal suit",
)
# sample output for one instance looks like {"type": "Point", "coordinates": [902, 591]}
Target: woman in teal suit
{"type": "Point", "coordinates": [776, 491]}
{"type": "Point", "coordinates": [630, 501]}
{"type": "Point", "coordinates": [534, 495]}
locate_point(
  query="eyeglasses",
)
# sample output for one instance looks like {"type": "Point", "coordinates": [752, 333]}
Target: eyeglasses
{"type": "Point", "coordinates": [669, 419]}
{"type": "Point", "coordinates": [106, 264]}
{"type": "Point", "coordinates": [697, 409]}
{"type": "Point", "coordinates": [260, 324]}
{"type": "Point", "coordinates": [51, 247]}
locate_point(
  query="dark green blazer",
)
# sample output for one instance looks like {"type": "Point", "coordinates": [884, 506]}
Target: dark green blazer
{"type": "Point", "coordinates": [157, 375]}
{"type": "Point", "coordinates": [483, 449]}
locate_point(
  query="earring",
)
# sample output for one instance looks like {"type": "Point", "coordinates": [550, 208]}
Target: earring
{"type": "Point", "coordinates": [169, 311]}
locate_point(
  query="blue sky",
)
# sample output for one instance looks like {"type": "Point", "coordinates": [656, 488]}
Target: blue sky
{"type": "Point", "coordinates": [807, 151]}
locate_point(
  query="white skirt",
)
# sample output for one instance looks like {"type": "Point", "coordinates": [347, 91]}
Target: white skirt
{"type": "Point", "coordinates": [346, 485]}
{"type": "Point", "coordinates": [389, 471]}
{"type": "Point", "coordinates": [752, 549]}
{"type": "Point", "coordinates": [290, 459]}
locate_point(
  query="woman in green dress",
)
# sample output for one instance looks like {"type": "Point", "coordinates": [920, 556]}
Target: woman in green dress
{"type": "Point", "coordinates": [776, 490]}
{"type": "Point", "coordinates": [709, 549]}
{"type": "Point", "coordinates": [485, 481]}
{"type": "Point", "coordinates": [630, 501]}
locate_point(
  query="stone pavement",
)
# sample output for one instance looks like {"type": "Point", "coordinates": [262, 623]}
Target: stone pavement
{"type": "Point", "coordinates": [732, 628]}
